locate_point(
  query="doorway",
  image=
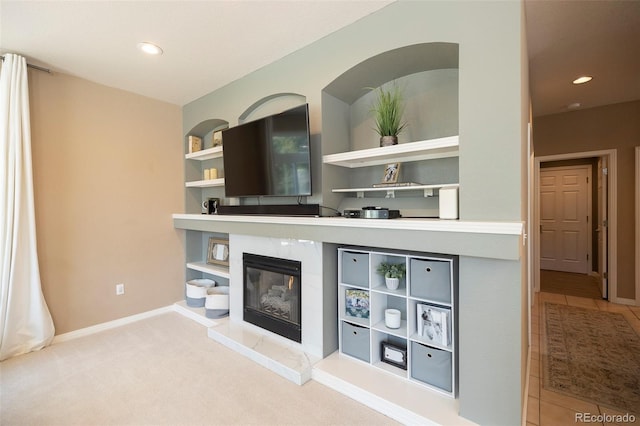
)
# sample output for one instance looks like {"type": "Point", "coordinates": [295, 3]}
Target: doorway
{"type": "Point", "coordinates": [565, 218]}
{"type": "Point", "coordinates": [600, 257]}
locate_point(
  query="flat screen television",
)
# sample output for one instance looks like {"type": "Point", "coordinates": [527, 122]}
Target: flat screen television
{"type": "Point", "coordinates": [269, 156]}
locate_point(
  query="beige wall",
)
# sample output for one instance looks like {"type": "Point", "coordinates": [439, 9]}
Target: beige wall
{"type": "Point", "coordinates": [108, 169]}
{"type": "Point", "coordinates": [609, 127]}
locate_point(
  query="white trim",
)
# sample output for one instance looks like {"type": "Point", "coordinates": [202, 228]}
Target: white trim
{"type": "Point", "coordinates": [612, 206]}
{"type": "Point", "coordinates": [637, 257]}
{"type": "Point", "coordinates": [525, 402]}
{"type": "Point", "coordinates": [110, 324]}
{"type": "Point", "coordinates": [498, 228]}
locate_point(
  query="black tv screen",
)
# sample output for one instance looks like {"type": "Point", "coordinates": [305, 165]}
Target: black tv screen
{"type": "Point", "coordinates": [269, 156]}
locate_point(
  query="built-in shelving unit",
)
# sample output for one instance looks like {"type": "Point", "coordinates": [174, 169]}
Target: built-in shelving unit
{"type": "Point", "coordinates": [205, 183]}
{"type": "Point", "coordinates": [205, 154]}
{"type": "Point", "coordinates": [217, 271]}
{"type": "Point", "coordinates": [428, 190]}
{"type": "Point", "coordinates": [424, 346]}
{"type": "Point", "coordinates": [406, 152]}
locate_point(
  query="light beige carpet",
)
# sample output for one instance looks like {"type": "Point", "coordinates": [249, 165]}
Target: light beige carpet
{"type": "Point", "coordinates": [161, 371]}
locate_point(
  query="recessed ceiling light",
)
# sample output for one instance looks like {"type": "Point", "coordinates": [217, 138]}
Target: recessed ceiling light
{"type": "Point", "coordinates": [574, 105]}
{"type": "Point", "coordinates": [582, 79]}
{"type": "Point", "coordinates": [149, 48]}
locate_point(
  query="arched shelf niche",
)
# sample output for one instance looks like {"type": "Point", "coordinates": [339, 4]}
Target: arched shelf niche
{"type": "Point", "coordinates": [271, 104]}
{"type": "Point", "coordinates": [205, 130]}
{"type": "Point", "coordinates": [427, 73]}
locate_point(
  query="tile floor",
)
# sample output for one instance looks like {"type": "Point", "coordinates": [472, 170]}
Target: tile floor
{"type": "Point", "coordinates": [547, 408]}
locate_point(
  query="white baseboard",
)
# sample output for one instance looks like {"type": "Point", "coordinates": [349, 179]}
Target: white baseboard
{"type": "Point", "coordinates": [109, 325]}
{"type": "Point", "coordinates": [525, 403]}
{"type": "Point", "coordinates": [624, 301]}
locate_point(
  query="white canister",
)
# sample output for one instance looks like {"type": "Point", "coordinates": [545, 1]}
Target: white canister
{"type": "Point", "coordinates": [213, 173]}
{"type": "Point", "coordinates": [392, 318]}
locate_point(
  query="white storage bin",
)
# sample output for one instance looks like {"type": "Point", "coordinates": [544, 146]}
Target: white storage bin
{"type": "Point", "coordinates": [196, 291]}
{"type": "Point", "coordinates": [217, 302]}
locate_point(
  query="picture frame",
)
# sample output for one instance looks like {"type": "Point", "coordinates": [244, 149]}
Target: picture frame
{"type": "Point", "coordinates": [357, 303]}
{"type": "Point", "coordinates": [218, 252]}
{"type": "Point", "coordinates": [393, 355]}
{"type": "Point", "coordinates": [391, 172]}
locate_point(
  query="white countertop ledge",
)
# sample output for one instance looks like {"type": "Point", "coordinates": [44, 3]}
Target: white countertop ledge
{"type": "Point", "coordinates": [417, 224]}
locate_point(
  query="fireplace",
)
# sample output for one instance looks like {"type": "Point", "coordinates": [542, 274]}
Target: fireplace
{"type": "Point", "coordinates": [272, 294]}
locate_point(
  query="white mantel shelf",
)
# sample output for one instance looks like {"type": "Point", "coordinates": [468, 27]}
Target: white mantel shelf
{"type": "Point", "coordinates": [487, 239]}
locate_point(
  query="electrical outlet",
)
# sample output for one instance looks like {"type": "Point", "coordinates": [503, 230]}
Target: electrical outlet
{"type": "Point", "coordinates": [119, 289]}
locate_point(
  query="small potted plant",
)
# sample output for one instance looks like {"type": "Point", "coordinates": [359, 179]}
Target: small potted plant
{"type": "Point", "coordinates": [387, 111]}
{"type": "Point", "coordinates": [392, 273]}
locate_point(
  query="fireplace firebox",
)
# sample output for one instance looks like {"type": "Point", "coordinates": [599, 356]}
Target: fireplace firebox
{"type": "Point", "coordinates": [272, 294]}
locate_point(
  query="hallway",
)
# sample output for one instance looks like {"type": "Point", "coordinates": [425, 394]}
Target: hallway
{"type": "Point", "coordinates": [548, 408]}
{"type": "Point", "coordinates": [570, 284]}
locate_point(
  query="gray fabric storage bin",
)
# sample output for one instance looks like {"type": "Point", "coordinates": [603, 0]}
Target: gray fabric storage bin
{"type": "Point", "coordinates": [355, 341]}
{"type": "Point", "coordinates": [431, 366]}
{"type": "Point", "coordinates": [355, 268]}
{"type": "Point", "coordinates": [431, 279]}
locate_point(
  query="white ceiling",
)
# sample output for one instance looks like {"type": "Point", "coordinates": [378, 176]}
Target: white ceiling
{"type": "Point", "coordinates": [208, 44]}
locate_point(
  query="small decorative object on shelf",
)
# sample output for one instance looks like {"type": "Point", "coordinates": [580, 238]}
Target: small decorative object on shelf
{"type": "Point", "coordinates": [392, 318]}
{"type": "Point", "coordinates": [434, 324]}
{"type": "Point", "coordinates": [217, 138]}
{"type": "Point", "coordinates": [387, 111]}
{"type": "Point", "coordinates": [392, 273]}
{"type": "Point", "coordinates": [357, 303]}
{"type": "Point", "coordinates": [195, 144]}
{"type": "Point", "coordinates": [391, 172]}
{"type": "Point", "coordinates": [393, 355]}
{"type": "Point", "coordinates": [218, 253]}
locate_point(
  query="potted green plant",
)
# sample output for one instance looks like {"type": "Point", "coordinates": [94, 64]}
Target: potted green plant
{"type": "Point", "coordinates": [392, 273]}
{"type": "Point", "coordinates": [387, 111]}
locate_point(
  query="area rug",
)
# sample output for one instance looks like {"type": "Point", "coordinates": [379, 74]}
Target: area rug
{"type": "Point", "coordinates": [592, 355]}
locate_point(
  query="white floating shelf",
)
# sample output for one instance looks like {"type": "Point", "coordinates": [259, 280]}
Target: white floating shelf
{"type": "Point", "coordinates": [205, 154]}
{"type": "Point", "coordinates": [205, 183]}
{"type": "Point", "coordinates": [412, 151]}
{"type": "Point", "coordinates": [218, 271]}
{"type": "Point", "coordinates": [390, 190]}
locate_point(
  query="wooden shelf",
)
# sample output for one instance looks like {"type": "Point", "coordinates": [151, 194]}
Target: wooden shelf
{"type": "Point", "coordinates": [205, 183]}
{"type": "Point", "coordinates": [205, 154]}
{"type": "Point", "coordinates": [406, 152]}
{"type": "Point", "coordinates": [391, 190]}
{"type": "Point", "coordinates": [218, 271]}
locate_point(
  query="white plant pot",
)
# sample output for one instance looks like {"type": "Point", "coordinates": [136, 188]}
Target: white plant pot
{"type": "Point", "coordinates": [392, 283]}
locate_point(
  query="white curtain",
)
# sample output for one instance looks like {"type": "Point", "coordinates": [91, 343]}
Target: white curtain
{"type": "Point", "coordinates": [25, 321]}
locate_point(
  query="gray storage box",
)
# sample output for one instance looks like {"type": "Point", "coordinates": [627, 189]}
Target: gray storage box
{"type": "Point", "coordinates": [431, 366]}
{"type": "Point", "coordinates": [431, 279]}
{"type": "Point", "coordinates": [355, 269]}
{"type": "Point", "coordinates": [355, 341]}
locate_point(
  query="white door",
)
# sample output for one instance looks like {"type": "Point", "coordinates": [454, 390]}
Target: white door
{"type": "Point", "coordinates": [564, 211]}
{"type": "Point", "coordinates": [603, 224]}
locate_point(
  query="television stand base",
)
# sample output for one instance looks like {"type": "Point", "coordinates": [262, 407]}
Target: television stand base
{"type": "Point", "coordinates": [272, 210]}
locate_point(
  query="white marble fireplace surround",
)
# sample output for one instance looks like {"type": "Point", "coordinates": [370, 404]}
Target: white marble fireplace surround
{"type": "Point", "coordinates": [291, 360]}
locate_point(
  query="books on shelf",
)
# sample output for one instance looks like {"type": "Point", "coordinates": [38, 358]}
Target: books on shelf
{"type": "Point", "coordinates": [356, 303]}
{"type": "Point", "coordinates": [195, 144]}
{"type": "Point", "coordinates": [434, 324]}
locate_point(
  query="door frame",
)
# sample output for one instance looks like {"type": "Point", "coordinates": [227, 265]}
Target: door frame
{"type": "Point", "coordinates": [589, 207]}
{"type": "Point", "coordinates": [637, 225]}
{"type": "Point", "coordinates": [612, 198]}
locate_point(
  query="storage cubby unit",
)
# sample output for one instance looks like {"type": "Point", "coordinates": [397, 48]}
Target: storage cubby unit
{"type": "Point", "coordinates": [423, 349]}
